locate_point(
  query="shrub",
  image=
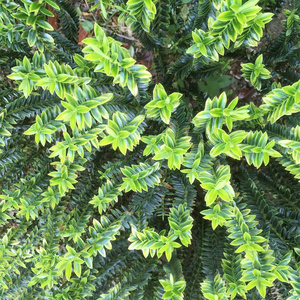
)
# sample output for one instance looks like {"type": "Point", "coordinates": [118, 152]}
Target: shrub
{"type": "Point", "coordinates": [178, 181]}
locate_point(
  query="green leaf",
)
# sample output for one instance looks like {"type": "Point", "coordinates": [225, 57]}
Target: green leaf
{"type": "Point", "coordinates": [87, 25]}
{"type": "Point", "coordinates": [52, 3]}
{"type": "Point", "coordinates": [77, 268]}
{"type": "Point", "coordinates": [32, 37]}
{"type": "Point", "coordinates": [210, 197]}
{"type": "Point", "coordinates": [68, 271]}
{"type": "Point", "coordinates": [45, 25]}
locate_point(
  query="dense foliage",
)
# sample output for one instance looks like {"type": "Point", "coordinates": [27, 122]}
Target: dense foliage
{"type": "Point", "coordinates": [180, 180]}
